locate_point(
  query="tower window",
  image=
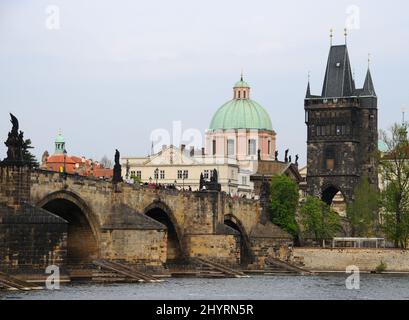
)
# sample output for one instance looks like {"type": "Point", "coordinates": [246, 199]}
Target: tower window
{"type": "Point", "coordinates": [214, 147]}
{"type": "Point", "coordinates": [244, 94]}
{"type": "Point", "coordinates": [238, 94]}
{"type": "Point", "coordinates": [330, 158]}
{"type": "Point", "coordinates": [269, 147]}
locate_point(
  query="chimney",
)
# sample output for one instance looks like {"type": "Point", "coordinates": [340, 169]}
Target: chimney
{"type": "Point", "coordinates": [192, 151]}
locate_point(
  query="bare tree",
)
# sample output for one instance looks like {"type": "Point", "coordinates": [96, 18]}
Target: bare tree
{"type": "Point", "coordinates": [106, 162]}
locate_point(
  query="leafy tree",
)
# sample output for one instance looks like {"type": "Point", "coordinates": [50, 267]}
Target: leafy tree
{"type": "Point", "coordinates": [284, 203]}
{"type": "Point", "coordinates": [136, 179]}
{"type": "Point", "coordinates": [319, 220]}
{"type": "Point", "coordinates": [363, 212]}
{"type": "Point", "coordinates": [394, 169]}
{"type": "Point", "coordinates": [28, 157]}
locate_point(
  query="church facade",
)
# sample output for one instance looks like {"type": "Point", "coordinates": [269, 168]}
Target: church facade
{"type": "Point", "coordinates": [342, 126]}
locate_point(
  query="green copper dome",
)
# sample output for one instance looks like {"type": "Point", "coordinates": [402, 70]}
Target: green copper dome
{"type": "Point", "coordinates": [382, 146]}
{"type": "Point", "coordinates": [241, 114]}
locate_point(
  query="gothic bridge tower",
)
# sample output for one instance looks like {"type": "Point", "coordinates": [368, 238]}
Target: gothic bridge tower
{"type": "Point", "coordinates": [342, 131]}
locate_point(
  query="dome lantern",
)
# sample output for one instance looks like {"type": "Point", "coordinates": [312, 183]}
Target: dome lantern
{"type": "Point", "coordinates": [241, 112]}
{"type": "Point", "coordinates": [59, 144]}
{"type": "Point", "coordinates": [241, 90]}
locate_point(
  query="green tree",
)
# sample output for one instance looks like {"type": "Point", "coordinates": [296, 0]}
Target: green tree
{"type": "Point", "coordinates": [394, 169]}
{"type": "Point", "coordinates": [284, 203]}
{"type": "Point", "coordinates": [319, 220]}
{"type": "Point", "coordinates": [136, 179]}
{"type": "Point", "coordinates": [28, 157]}
{"type": "Point", "coordinates": [363, 212]}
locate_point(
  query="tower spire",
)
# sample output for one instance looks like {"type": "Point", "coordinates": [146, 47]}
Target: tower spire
{"type": "Point", "coordinates": [308, 94]}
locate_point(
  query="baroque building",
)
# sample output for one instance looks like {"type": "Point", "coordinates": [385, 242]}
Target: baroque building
{"type": "Point", "coordinates": [342, 126]}
{"type": "Point", "coordinates": [240, 144]}
{"type": "Point", "coordinates": [60, 161]}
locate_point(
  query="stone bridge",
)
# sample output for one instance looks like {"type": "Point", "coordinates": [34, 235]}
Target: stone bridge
{"type": "Point", "coordinates": [152, 227]}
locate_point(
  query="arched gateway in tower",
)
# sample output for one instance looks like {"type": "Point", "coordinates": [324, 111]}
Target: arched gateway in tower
{"type": "Point", "coordinates": [342, 131]}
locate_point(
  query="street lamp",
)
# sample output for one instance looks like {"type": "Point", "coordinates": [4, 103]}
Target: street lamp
{"type": "Point", "coordinates": [65, 163]}
{"type": "Point", "coordinates": [65, 160]}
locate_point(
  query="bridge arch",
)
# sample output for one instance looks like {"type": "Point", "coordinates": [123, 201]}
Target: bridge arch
{"type": "Point", "coordinates": [83, 225]}
{"type": "Point", "coordinates": [161, 212]}
{"type": "Point", "coordinates": [246, 254]}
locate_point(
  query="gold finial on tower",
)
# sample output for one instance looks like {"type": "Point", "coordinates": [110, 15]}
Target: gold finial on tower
{"type": "Point", "coordinates": [331, 35]}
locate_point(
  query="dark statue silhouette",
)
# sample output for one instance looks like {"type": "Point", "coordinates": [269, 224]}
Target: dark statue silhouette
{"type": "Point", "coordinates": [286, 155]}
{"type": "Point", "coordinates": [14, 144]}
{"type": "Point", "coordinates": [117, 168]}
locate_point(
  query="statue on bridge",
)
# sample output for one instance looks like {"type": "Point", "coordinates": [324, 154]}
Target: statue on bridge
{"type": "Point", "coordinates": [286, 155]}
{"type": "Point", "coordinates": [117, 168]}
{"type": "Point", "coordinates": [14, 143]}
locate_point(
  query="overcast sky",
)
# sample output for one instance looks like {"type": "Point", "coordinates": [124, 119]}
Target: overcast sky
{"type": "Point", "coordinates": [114, 71]}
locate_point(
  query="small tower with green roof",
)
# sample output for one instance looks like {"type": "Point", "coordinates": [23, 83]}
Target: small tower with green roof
{"type": "Point", "coordinates": [59, 144]}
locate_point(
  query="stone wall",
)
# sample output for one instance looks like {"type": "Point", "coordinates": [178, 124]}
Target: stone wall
{"type": "Point", "coordinates": [135, 246]}
{"type": "Point", "coordinates": [14, 184]}
{"type": "Point", "coordinates": [30, 240]}
{"type": "Point", "coordinates": [220, 248]}
{"type": "Point", "coordinates": [338, 259]}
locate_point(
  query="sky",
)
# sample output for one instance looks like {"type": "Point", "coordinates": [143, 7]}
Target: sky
{"type": "Point", "coordinates": [109, 73]}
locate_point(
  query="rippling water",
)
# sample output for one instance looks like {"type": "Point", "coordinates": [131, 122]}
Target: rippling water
{"type": "Point", "coordinates": [256, 287]}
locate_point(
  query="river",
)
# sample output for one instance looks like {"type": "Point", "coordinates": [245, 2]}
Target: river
{"type": "Point", "coordinates": [321, 287]}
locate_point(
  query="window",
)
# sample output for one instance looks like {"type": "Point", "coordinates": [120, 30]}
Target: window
{"type": "Point", "coordinates": [306, 116]}
{"type": "Point", "coordinates": [230, 147]}
{"type": "Point", "coordinates": [239, 94]}
{"type": "Point", "coordinates": [244, 181]}
{"type": "Point", "coordinates": [206, 174]}
{"type": "Point", "coordinates": [139, 174]}
{"type": "Point", "coordinates": [180, 174]}
{"type": "Point", "coordinates": [162, 174]}
{"type": "Point", "coordinates": [269, 146]}
{"type": "Point", "coordinates": [156, 174]}
{"type": "Point", "coordinates": [339, 130]}
{"type": "Point", "coordinates": [185, 174]}
{"type": "Point", "coordinates": [132, 173]}
{"type": "Point", "coordinates": [214, 147]}
{"type": "Point", "coordinates": [244, 94]}
{"type": "Point", "coordinates": [330, 158]}
{"type": "Point", "coordinates": [252, 147]}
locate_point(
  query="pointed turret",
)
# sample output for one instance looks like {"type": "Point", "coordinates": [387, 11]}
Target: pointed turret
{"type": "Point", "coordinates": [338, 80]}
{"type": "Point", "coordinates": [308, 94]}
{"type": "Point", "coordinates": [369, 88]}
